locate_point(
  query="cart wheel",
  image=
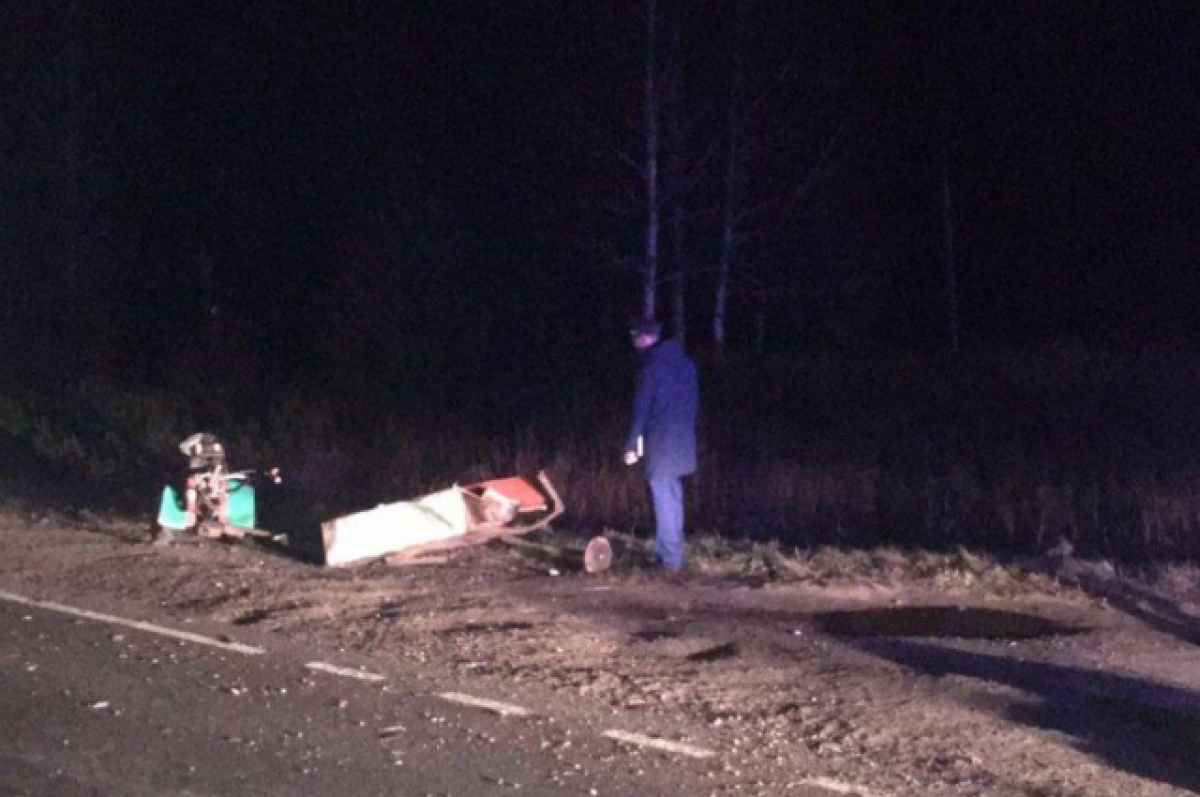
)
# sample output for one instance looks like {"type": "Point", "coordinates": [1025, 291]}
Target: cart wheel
{"type": "Point", "coordinates": [597, 557]}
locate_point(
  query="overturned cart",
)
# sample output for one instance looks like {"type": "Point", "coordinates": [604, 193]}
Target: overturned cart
{"type": "Point", "coordinates": [454, 518]}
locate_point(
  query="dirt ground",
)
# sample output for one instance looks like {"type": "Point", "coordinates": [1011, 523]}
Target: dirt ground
{"type": "Point", "coordinates": [901, 675]}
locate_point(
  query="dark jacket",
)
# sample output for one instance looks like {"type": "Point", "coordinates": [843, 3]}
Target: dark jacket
{"type": "Point", "coordinates": [664, 411]}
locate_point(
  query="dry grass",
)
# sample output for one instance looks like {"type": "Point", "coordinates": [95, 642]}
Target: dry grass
{"type": "Point", "coordinates": [711, 555]}
{"type": "Point", "coordinates": [893, 456]}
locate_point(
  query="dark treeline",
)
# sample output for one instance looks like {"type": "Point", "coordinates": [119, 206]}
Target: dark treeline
{"type": "Point", "coordinates": [293, 189]}
{"type": "Point", "coordinates": [438, 210]}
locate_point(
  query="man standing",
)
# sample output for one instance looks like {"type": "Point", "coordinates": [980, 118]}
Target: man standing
{"type": "Point", "coordinates": [664, 432]}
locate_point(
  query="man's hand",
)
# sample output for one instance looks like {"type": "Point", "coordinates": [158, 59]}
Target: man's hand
{"type": "Point", "coordinates": [631, 457]}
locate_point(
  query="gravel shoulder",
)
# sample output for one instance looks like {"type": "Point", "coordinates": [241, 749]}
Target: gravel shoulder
{"type": "Point", "coordinates": [899, 680]}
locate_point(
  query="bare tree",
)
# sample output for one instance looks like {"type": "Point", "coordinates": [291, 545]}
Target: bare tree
{"type": "Point", "coordinates": [664, 172]}
{"type": "Point", "coordinates": [650, 265]}
{"type": "Point", "coordinates": [691, 150]}
{"type": "Point", "coordinates": [948, 255]}
{"type": "Point", "coordinates": [73, 146]}
{"type": "Point", "coordinates": [677, 177]}
{"type": "Point", "coordinates": [686, 160]}
{"type": "Point", "coordinates": [732, 170]}
{"type": "Point", "coordinates": [752, 144]}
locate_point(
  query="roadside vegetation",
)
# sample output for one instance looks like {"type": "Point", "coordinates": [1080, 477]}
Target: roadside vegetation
{"type": "Point", "coordinates": [1005, 454]}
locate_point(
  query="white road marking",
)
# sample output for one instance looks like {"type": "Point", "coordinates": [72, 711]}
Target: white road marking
{"type": "Point", "coordinates": [151, 628]}
{"type": "Point", "coordinates": [841, 787]}
{"type": "Point", "coordinates": [659, 744]}
{"type": "Point", "coordinates": [503, 709]}
{"type": "Point", "coordinates": [346, 671]}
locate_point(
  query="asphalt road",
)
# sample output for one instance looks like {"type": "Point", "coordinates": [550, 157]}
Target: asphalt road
{"type": "Point", "coordinates": [91, 708]}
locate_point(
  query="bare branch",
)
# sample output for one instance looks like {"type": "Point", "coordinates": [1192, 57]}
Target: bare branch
{"type": "Point", "coordinates": [819, 169]}
{"type": "Point", "coordinates": [593, 128]}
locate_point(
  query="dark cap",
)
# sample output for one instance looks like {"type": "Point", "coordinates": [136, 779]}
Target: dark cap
{"type": "Point", "coordinates": [645, 326]}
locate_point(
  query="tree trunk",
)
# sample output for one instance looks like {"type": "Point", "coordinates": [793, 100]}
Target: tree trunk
{"type": "Point", "coordinates": [725, 262]}
{"type": "Point", "coordinates": [760, 328]}
{"type": "Point", "coordinates": [679, 285]}
{"type": "Point", "coordinates": [650, 266]}
{"type": "Point", "coordinates": [73, 155]}
{"type": "Point", "coordinates": [948, 255]}
{"type": "Point", "coordinates": [677, 161]}
{"type": "Point", "coordinates": [721, 309]}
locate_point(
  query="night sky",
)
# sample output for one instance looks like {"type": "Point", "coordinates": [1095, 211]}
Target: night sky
{"type": "Point", "coordinates": [372, 185]}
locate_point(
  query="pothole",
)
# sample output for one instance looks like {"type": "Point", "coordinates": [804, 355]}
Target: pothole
{"type": "Point", "coordinates": [942, 621]}
{"type": "Point", "coordinates": [487, 628]}
{"type": "Point", "coordinates": [252, 617]}
{"type": "Point", "coordinates": [716, 652]}
{"type": "Point", "coordinates": [654, 634]}
{"type": "Point", "coordinates": [388, 611]}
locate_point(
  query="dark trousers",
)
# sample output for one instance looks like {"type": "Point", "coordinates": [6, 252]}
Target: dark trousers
{"type": "Point", "coordinates": [667, 495]}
